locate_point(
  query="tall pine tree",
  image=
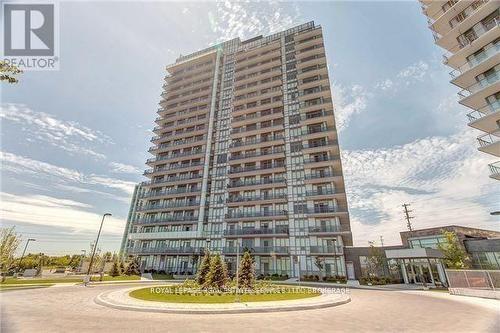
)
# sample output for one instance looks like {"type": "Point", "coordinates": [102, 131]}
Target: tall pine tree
{"type": "Point", "coordinates": [246, 273]}
{"type": "Point", "coordinates": [217, 276]}
{"type": "Point", "coordinates": [203, 269]}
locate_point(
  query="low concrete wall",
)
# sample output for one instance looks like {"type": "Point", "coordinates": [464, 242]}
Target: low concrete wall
{"type": "Point", "coordinates": [494, 294]}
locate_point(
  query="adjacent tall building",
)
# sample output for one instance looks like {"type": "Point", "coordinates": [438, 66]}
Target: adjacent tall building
{"type": "Point", "coordinates": [469, 31]}
{"type": "Point", "coordinates": [245, 157]}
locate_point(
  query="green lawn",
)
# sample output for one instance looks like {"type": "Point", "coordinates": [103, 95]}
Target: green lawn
{"type": "Point", "coordinates": [117, 278]}
{"type": "Point", "coordinates": [11, 281]}
{"type": "Point", "coordinates": [146, 294]}
{"type": "Point", "coordinates": [14, 281]}
{"type": "Point", "coordinates": [8, 287]}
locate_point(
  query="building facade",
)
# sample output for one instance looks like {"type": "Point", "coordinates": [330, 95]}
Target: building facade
{"type": "Point", "coordinates": [469, 32]}
{"type": "Point", "coordinates": [245, 157]}
{"type": "Point", "coordinates": [419, 259]}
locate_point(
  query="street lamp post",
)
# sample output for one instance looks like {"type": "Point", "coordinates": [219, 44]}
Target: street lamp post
{"type": "Point", "coordinates": [95, 245]}
{"type": "Point", "coordinates": [24, 251]}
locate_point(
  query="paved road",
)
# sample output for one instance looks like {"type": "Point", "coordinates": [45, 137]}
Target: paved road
{"type": "Point", "coordinates": [72, 309]}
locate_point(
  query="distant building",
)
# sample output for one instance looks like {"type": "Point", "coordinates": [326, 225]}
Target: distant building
{"type": "Point", "coordinates": [418, 258]}
{"type": "Point", "coordinates": [469, 31]}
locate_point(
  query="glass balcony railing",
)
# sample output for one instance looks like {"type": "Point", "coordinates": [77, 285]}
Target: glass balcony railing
{"type": "Point", "coordinates": [488, 109]}
{"type": "Point", "coordinates": [256, 182]}
{"type": "Point", "coordinates": [486, 140]}
{"type": "Point", "coordinates": [170, 180]}
{"type": "Point", "coordinates": [264, 213]}
{"type": "Point", "coordinates": [173, 156]}
{"type": "Point", "coordinates": [166, 219]}
{"type": "Point", "coordinates": [172, 167]}
{"type": "Point", "coordinates": [161, 249]}
{"type": "Point", "coordinates": [326, 249]}
{"type": "Point", "coordinates": [494, 169]}
{"type": "Point", "coordinates": [256, 249]}
{"type": "Point", "coordinates": [486, 82]}
{"type": "Point", "coordinates": [169, 205]}
{"type": "Point", "coordinates": [256, 231]}
{"type": "Point", "coordinates": [246, 198]}
{"type": "Point", "coordinates": [169, 192]}
{"type": "Point", "coordinates": [478, 59]}
{"type": "Point", "coordinates": [325, 229]}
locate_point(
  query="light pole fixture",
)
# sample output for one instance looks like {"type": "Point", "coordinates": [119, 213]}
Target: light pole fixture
{"type": "Point", "coordinates": [95, 245]}
{"type": "Point", "coordinates": [24, 251]}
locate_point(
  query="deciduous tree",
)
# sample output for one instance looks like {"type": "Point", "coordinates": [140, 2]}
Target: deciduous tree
{"type": "Point", "coordinates": [9, 242]}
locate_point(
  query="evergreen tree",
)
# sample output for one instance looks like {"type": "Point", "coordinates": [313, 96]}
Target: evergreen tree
{"type": "Point", "coordinates": [115, 269]}
{"type": "Point", "coordinates": [217, 276]}
{"type": "Point", "coordinates": [246, 273]}
{"type": "Point", "coordinates": [204, 268]}
{"type": "Point", "coordinates": [133, 267]}
{"type": "Point", "coordinates": [122, 267]}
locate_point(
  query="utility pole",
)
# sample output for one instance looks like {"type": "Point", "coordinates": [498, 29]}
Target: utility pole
{"type": "Point", "coordinates": [407, 216]}
{"type": "Point", "coordinates": [382, 241]}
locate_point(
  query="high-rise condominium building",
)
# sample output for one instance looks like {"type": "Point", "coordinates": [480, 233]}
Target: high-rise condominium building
{"type": "Point", "coordinates": [469, 31]}
{"type": "Point", "coordinates": [245, 157]}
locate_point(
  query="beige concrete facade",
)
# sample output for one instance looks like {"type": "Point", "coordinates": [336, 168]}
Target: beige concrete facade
{"type": "Point", "coordinates": [469, 31]}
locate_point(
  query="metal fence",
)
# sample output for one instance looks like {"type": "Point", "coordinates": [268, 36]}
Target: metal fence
{"type": "Point", "coordinates": [474, 279]}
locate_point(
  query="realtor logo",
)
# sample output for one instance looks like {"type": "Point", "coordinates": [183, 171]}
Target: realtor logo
{"type": "Point", "coordinates": [30, 35]}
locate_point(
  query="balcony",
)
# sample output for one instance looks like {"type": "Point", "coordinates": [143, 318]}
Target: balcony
{"type": "Point", "coordinates": [164, 250]}
{"type": "Point", "coordinates": [322, 159]}
{"type": "Point", "coordinates": [167, 220]}
{"type": "Point", "coordinates": [478, 59]}
{"type": "Point", "coordinates": [250, 169]}
{"type": "Point", "coordinates": [255, 154]}
{"type": "Point", "coordinates": [327, 143]}
{"type": "Point", "coordinates": [264, 181]}
{"type": "Point", "coordinates": [235, 144]}
{"type": "Point", "coordinates": [265, 213]}
{"type": "Point", "coordinates": [333, 250]}
{"type": "Point", "coordinates": [182, 204]}
{"type": "Point", "coordinates": [271, 250]}
{"type": "Point", "coordinates": [262, 197]}
{"type": "Point", "coordinates": [174, 156]}
{"type": "Point", "coordinates": [313, 130]}
{"type": "Point", "coordinates": [172, 167]}
{"type": "Point", "coordinates": [325, 229]}
{"type": "Point", "coordinates": [490, 143]}
{"type": "Point", "coordinates": [324, 174]}
{"type": "Point", "coordinates": [486, 118]}
{"type": "Point", "coordinates": [169, 234]}
{"type": "Point", "coordinates": [321, 210]}
{"type": "Point", "coordinates": [256, 232]}
{"type": "Point", "coordinates": [169, 192]}
{"type": "Point", "coordinates": [494, 170]}
{"type": "Point", "coordinates": [171, 180]}
{"type": "Point", "coordinates": [475, 94]}
{"type": "Point", "coordinates": [320, 192]}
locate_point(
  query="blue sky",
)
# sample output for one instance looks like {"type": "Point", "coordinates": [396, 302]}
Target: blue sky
{"type": "Point", "coordinates": [74, 142]}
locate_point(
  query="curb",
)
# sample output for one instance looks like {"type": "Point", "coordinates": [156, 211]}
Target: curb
{"type": "Point", "coordinates": [100, 300]}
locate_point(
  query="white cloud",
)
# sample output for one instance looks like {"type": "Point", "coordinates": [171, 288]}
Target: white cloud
{"type": "Point", "coordinates": [348, 102]}
{"type": "Point", "coordinates": [385, 85]}
{"type": "Point", "coordinates": [26, 167]}
{"type": "Point", "coordinates": [54, 212]}
{"type": "Point", "coordinates": [67, 135]}
{"type": "Point", "coordinates": [125, 186]}
{"type": "Point", "coordinates": [444, 178]}
{"type": "Point", "coordinates": [124, 168]}
{"type": "Point", "coordinates": [414, 72]}
{"type": "Point", "coordinates": [250, 19]}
